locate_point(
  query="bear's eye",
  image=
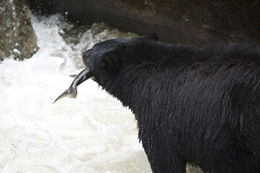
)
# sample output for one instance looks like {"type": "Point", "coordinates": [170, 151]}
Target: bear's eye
{"type": "Point", "coordinates": [110, 62]}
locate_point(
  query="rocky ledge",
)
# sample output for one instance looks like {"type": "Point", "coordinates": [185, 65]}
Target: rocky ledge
{"type": "Point", "coordinates": [17, 37]}
{"type": "Point", "coordinates": [196, 23]}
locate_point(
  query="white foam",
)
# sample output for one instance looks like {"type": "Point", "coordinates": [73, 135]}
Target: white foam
{"type": "Point", "coordinates": [92, 133]}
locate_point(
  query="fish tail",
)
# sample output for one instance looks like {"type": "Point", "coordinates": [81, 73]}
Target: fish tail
{"type": "Point", "coordinates": [71, 93]}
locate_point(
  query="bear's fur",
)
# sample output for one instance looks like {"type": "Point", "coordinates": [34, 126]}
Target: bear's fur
{"type": "Point", "coordinates": [200, 106]}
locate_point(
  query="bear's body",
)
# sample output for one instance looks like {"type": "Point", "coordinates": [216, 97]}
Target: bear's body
{"type": "Point", "coordinates": [192, 105]}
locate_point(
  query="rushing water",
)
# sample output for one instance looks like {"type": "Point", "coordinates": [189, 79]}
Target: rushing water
{"type": "Point", "coordinates": [93, 133]}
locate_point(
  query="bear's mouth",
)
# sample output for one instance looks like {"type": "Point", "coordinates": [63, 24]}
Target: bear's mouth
{"type": "Point", "coordinates": [86, 56]}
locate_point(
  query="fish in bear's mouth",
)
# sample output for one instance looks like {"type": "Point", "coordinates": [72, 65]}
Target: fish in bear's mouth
{"type": "Point", "coordinates": [84, 75]}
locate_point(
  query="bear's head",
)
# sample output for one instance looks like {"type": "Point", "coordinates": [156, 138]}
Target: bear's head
{"type": "Point", "coordinates": [107, 59]}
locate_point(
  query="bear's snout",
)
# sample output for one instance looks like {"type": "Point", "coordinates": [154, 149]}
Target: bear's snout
{"type": "Point", "coordinates": [86, 57]}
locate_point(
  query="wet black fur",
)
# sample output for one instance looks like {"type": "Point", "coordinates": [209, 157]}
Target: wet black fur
{"type": "Point", "coordinates": [192, 105]}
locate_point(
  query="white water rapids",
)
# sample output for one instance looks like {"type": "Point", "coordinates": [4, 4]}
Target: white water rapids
{"type": "Point", "coordinates": [93, 133]}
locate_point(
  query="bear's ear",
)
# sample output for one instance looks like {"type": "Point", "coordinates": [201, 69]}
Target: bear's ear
{"type": "Point", "coordinates": [153, 36]}
{"type": "Point", "coordinates": [110, 61]}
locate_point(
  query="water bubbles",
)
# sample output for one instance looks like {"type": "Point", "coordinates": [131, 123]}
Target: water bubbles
{"type": "Point", "coordinates": [16, 51]}
{"type": "Point", "coordinates": [66, 14]}
{"type": "Point", "coordinates": [205, 26]}
{"type": "Point", "coordinates": [186, 18]}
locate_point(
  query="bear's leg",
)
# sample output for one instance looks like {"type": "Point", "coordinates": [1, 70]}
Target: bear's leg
{"type": "Point", "coordinates": [164, 161]}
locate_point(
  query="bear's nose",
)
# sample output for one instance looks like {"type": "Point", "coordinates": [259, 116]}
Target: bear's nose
{"type": "Point", "coordinates": [86, 56]}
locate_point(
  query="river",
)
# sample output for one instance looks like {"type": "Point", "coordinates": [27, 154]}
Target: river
{"type": "Point", "coordinates": [93, 133]}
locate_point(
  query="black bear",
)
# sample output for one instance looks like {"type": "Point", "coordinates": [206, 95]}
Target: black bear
{"type": "Point", "coordinates": [195, 105]}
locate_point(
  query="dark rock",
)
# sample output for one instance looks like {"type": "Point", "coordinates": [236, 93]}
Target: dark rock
{"type": "Point", "coordinates": [180, 21]}
{"type": "Point", "coordinates": [42, 7]}
{"type": "Point", "coordinates": [16, 32]}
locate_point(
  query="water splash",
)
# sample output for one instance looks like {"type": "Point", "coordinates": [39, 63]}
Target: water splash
{"type": "Point", "coordinates": [93, 133]}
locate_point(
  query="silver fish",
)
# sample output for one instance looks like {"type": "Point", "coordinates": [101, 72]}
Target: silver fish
{"type": "Point", "coordinates": [71, 92]}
